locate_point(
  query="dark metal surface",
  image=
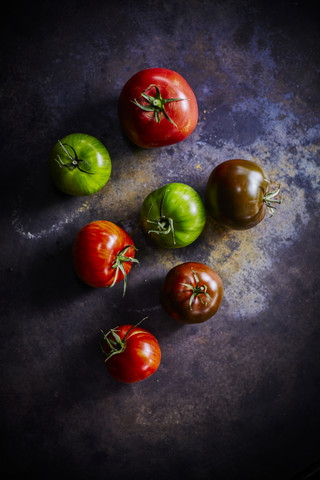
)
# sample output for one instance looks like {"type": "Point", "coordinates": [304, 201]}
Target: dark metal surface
{"type": "Point", "coordinates": [236, 397]}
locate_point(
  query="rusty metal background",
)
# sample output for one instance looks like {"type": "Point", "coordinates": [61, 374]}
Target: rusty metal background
{"type": "Point", "coordinates": [237, 397]}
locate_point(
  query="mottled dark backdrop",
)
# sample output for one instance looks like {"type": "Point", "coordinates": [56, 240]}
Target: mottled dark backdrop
{"type": "Point", "coordinates": [237, 397]}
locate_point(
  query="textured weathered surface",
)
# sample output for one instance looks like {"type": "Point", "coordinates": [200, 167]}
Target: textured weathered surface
{"type": "Point", "coordinates": [236, 397]}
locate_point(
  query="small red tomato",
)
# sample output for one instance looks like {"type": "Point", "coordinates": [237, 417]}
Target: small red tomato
{"type": "Point", "coordinates": [157, 107]}
{"type": "Point", "coordinates": [132, 352]}
{"type": "Point", "coordinates": [191, 292]}
{"type": "Point", "coordinates": [103, 254]}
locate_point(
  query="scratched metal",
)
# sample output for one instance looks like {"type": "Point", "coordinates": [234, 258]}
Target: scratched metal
{"type": "Point", "coordinates": [238, 396]}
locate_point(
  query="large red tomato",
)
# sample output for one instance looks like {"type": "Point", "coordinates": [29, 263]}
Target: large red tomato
{"type": "Point", "coordinates": [103, 254]}
{"type": "Point", "coordinates": [191, 292]}
{"type": "Point", "coordinates": [132, 353]}
{"type": "Point", "coordinates": [157, 107]}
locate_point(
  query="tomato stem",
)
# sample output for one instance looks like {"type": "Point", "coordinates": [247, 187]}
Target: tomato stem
{"type": "Point", "coordinates": [164, 223]}
{"type": "Point", "coordinates": [272, 197]}
{"type": "Point", "coordinates": [164, 226]}
{"type": "Point", "coordinates": [116, 344]}
{"type": "Point", "coordinates": [134, 326]}
{"type": "Point", "coordinates": [75, 162]}
{"type": "Point", "coordinates": [197, 290]}
{"type": "Point", "coordinates": [120, 259]}
{"type": "Point", "coordinates": [156, 104]}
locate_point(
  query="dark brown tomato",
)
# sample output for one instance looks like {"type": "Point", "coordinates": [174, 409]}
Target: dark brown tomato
{"type": "Point", "coordinates": [238, 194]}
{"type": "Point", "coordinates": [191, 292]}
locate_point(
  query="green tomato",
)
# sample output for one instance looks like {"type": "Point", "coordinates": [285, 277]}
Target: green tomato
{"type": "Point", "coordinates": [79, 164]}
{"type": "Point", "coordinates": [173, 216]}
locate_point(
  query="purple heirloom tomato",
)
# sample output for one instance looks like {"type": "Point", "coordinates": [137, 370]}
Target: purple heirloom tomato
{"type": "Point", "coordinates": [191, 292]}
{"type": "Point", "coordinates": [238, 194]}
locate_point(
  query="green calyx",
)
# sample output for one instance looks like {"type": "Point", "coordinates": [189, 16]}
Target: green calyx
{"type": "Point", "coordinates": [164, 224]}
{"type": "Point", "coordinates": [197, 291]}
{"type": "Point", "coordinates": [272, 198]}
{"type": "Point", "coordinates": [156, 104]}
{"type": "Point", "coordinates": [120, 259]}
{"type": "Point", "coordinates": [115, 343]}
{"type": "Point", "coordinates": [164, 227]}
{"type": "Point", "coordinates": [74, 162]}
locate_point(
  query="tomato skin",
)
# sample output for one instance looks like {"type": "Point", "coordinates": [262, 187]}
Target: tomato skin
{"type": "Point", "coordinates": [175, 297]}
{"type": "Point", "coordinates": [95, 250]}
{"type": "Point", "coordinates": [235, 194]}
{"type": "Point", "coordinates": [180, 203]}
{"type": "Point", "coordinates": [89, 170]}
{"type": "Point", "coordinates": [140, 357]}
{"type": "Point", "coordinates": [141, 126]}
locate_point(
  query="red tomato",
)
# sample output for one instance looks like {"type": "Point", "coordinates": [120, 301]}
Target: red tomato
{"type": "Point", "coordinates": [157, 107]}
{"type": "Point", "coordinates": [103, 254]}
{"type": "Point", "coordinates": [133, 353]}
{"type": "Point", "coordinates": [191, 292]}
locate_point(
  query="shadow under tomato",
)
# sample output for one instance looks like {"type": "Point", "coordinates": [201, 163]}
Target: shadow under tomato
{"type": "Point", "coordinates": [52, 282]}
{"type": "Point", "coordinates": [141, 301]}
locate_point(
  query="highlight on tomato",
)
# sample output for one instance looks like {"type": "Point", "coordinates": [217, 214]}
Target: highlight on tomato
{"type": "Point", "coordinates": [173, 216]}
{"type": "Point", "coordinates": [132, 353]}
{"type": "Point", "coordinates": [79, 164]}
{"type": "Point", "coordinates": [191, 292]}
{"type": "Point", "coordinates": [157, 107]}
{"type": "Point", "coordinates": [103, 254]}
{"type": "Point", "coordinates": [238, 194]}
